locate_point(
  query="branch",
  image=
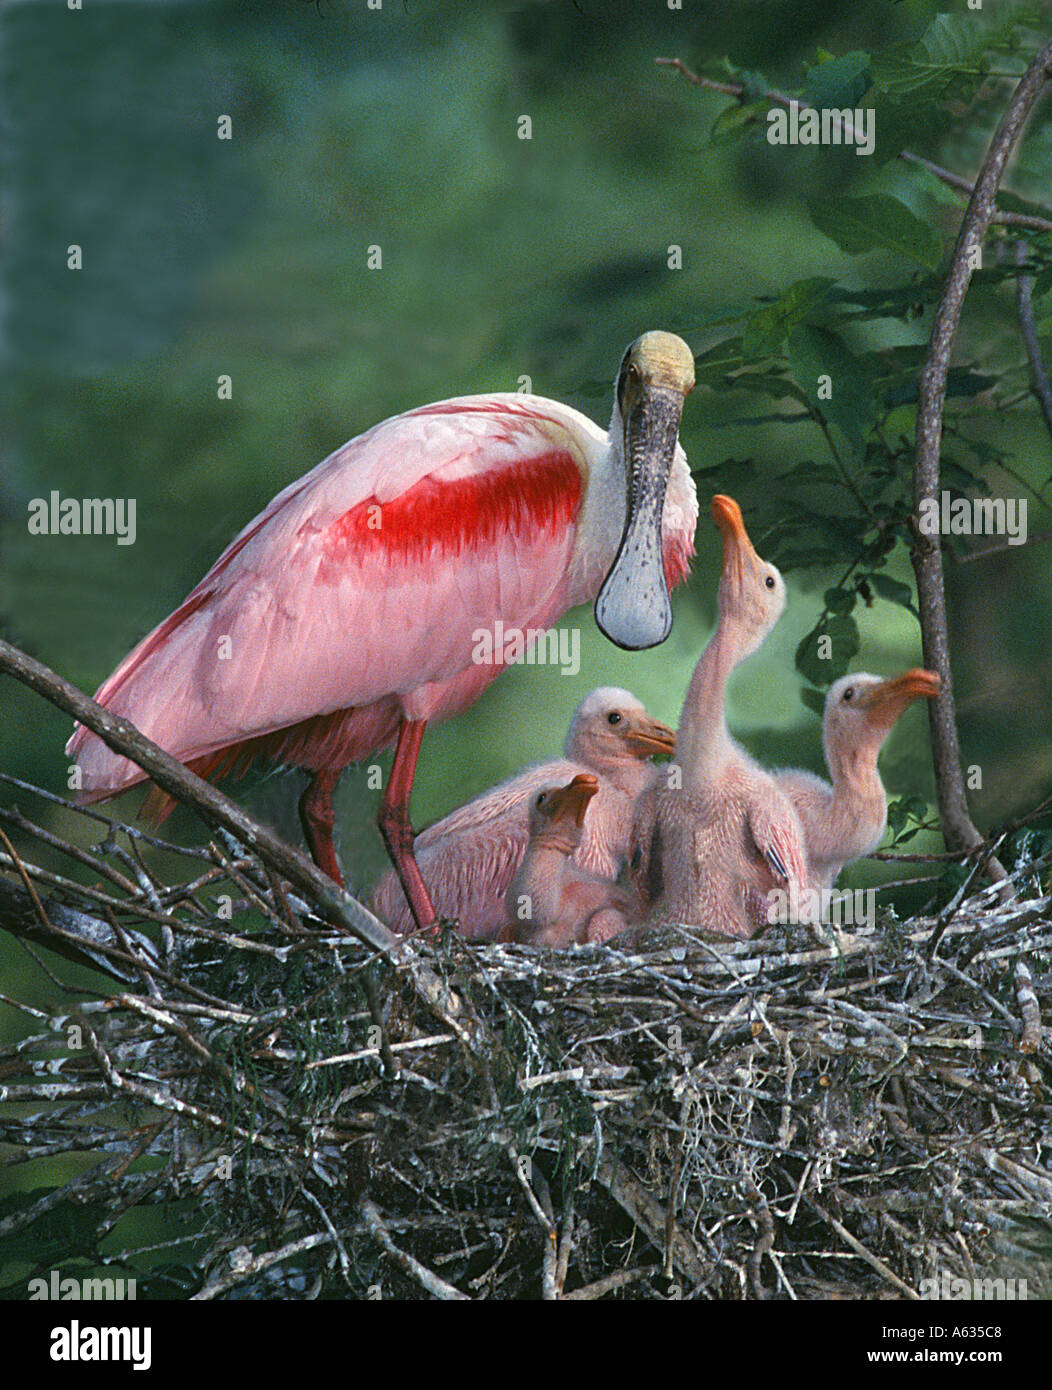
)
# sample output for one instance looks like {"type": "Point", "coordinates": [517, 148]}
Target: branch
{"type": "Point", "coordinates": [170, 775]}
{"type": "Point", "coordinates": [428, 1280]}
{"type": "Point", "coordinates": [1040, 539]}
{"type": "Point", "coordinates": [777, 98]}
{"type": "Point", "coordinates": [1024, 298]}
{"type": "Point", "coordinates": [958, 830]}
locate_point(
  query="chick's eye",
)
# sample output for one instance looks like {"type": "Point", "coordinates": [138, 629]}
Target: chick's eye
{"type": "Point", "coordinates": [849, 692]}
{"type": "Point", "coordinates": [633, 371]}
{"type": "Point", "coordinates": [613, 718]}
{"type": "Point", "coordinates": [769, 581]}
{"type": "Point", "coordinates": [541, 799]}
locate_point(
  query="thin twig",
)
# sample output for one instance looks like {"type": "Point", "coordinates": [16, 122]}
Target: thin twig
{"type": "Point", "coordinates": [777, 98]}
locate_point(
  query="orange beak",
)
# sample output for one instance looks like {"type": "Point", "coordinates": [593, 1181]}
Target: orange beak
{"type": "Point", "coordinates": [736, 543]}
{"type": "Point", "coordinates": [570, 803]}
{"type": "Point", "coordinates": [647, 736]}
{"type": "Point", "coordinates": [887, 701]}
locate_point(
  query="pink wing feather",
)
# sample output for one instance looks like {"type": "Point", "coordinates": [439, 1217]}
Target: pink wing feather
{"type": "Point", "coordinates": [362, 584]}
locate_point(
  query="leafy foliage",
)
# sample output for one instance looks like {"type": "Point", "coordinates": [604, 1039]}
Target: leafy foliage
{"type": "Point", "coordinates": [812, 344]}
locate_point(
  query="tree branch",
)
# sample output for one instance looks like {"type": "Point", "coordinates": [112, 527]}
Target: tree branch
{"type": "Point", "coordinates": [958, 830]}
{"type": "Point", "coordinates": [170, 775]}
{"type": "Point", "coordinates": [1024, 298]}
{"type": "Point", "coordinates": [946, 176]}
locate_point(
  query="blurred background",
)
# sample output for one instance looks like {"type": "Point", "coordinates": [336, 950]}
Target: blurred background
{"type": "Point", "coordinates": [502, 258]}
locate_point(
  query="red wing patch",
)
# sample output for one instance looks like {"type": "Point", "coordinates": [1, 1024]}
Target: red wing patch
{"type": "Point", "coordinates": [533, 496]}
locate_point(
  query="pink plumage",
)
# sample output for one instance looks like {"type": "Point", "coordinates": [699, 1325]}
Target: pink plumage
{"type": "Point", "coordinates": [552, 901]}
{"type": "Point", "coordinates": [347, 615]}
{"type": "Point", "coordinates": [470, 857]}
{"type": "Point", "coordinates": [710, 845]}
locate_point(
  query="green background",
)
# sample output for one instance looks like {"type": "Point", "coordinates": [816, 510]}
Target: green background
{"type": "Point", "coordinates": [502, 257]}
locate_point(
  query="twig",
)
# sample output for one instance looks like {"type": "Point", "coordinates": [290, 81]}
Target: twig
{"type": "Point", "coordinates": [425, 1277]}
{"type": "Point", "coordinates": [777, 98]}
{"type": "Point", "coordinates": [1024, 298]}
{"type": "Point", "coordinates": [610, 1282]}
{"type": "Point", "coordinates": [247, 1264]}
{"type": "Point", "coordinates": [171, 776]}
{"type": "Point", "coordinates": [958, 829]}
{"type": "Point", "coordinates": [1029, 1008]}
{"type": "Point", "coordinates": [872, 1260]}
{"type": "Point", "coordinates": [1040, 539]}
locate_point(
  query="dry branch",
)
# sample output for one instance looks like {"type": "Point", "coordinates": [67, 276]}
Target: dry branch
{"type": "Point", "coordinates": [706, 1119]}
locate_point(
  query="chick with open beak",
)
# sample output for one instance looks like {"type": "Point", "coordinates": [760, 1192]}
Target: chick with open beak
{"type": "Point", "coordinates": [704, 848]}
{"type": "Point", "coordinates": [551, 901]}
{"type": "Point", "coordinates": [845, 819]}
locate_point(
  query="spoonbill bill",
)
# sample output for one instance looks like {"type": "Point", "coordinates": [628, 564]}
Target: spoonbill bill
{"type": "Point", "coordinates": [551, 900]}
{"type": "Point", "coordinates": [846, 820]}
{"type": "Point", "coordinates": [348, 614]}
{"type": "Point", "coordinates": [703, 850]}
{"type": "Point", "coordinates": [470, 857]}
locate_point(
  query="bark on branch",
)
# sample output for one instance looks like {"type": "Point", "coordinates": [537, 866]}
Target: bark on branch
{"type": "Point", "coordinates": [338, 906]}
{"type": "Point", "coordinates": [959, 832]}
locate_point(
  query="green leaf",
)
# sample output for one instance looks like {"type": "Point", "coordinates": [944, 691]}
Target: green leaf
{"type": "Point", "coordinates": [952, 48]}
{"type": "Point", "coordinates": [837, 386]}
{"type": "Point", "coordinates": [907, 817]}
{"type": "Point", "coordinates": [893, 590]}
{"type": "Point", "coordinates": [840, 601]}
{"type": "Point", "coordinates": [1043, 282]}
{"type": "Point", "coordinates": [839, 82]}
{"type": "Point", "coordinates": [754, 81]}
{"type": "Point", "coordinates": [814, 700]}
{"type": "Point", "coordinates": [734, 120]}
{"type": "Point", "coordinates": [765, 329]}
{"type": "Point", "coordinates": [67, 1230]}
{"type": "Point", "coordinates": [712, 366]}
{"type": "Point", "coordinates": [876, 220]}
{"type": "Point", "coordinates": [824, 653]}
{"type": "Point", "coordinates": [764, 333]}
{"type": "Point", "coordinates": [959, 382]}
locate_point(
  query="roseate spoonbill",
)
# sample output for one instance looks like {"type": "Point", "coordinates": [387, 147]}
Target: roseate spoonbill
{"type": "Point", "coordinates": [846, 820]}
{"type": "Point", "coordinates": [703, 850]}
{"type": "Point", "coordinates": [551, 900]}
{"type": "Point", "coordinates": [469, 858]}
{"type": "Point", "coordinates": [346, 616]}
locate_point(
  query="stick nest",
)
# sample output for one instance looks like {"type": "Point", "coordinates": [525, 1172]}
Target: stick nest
{"type": "Point", "coordinates": [265, 1107]}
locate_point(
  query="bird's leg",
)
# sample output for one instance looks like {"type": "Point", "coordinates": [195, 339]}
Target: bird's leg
{"type": "Point", "coordinates": [317, 819]}
{"type": "Point", "coordinates": [395, 826]}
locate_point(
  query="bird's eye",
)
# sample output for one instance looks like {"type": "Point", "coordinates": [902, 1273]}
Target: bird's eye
{"type": "Point", "coordinates": [769, 581]}
{"type": "Point", "coordinates": [633, 371]}
{"type": "Point", "coordinates": [541, 799]}
{"type": "Point", "coordinates": [849, 692]}
{"type": "Point", "coordinates": [613, 718]}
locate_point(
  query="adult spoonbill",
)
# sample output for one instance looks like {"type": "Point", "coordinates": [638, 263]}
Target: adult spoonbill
{"type": "Point", "coordinates": [469, 858]}
{"type": "Point", "coordinates": [846, 820]}
{"type": "Point", "coordinates": [551, 900]}
{"type": "Point", "coordinates": [348, 614]}
{"type": "Point", "coordinates": [704, 850]}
